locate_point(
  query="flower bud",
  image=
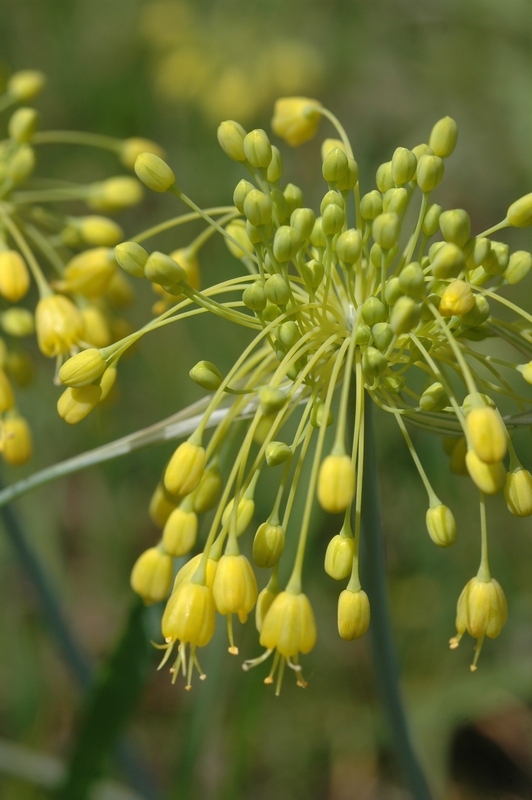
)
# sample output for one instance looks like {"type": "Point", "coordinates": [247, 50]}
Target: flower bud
{"type": "Point", "coordinates": [353, 614]}
{"type": "Point", "coordinates": [404, 165]}
{"type": "Point", "coordinates": [443, 137]}
{"type": "Point", "coordinates": [295, 119]}
{"type": "Point", "coordinates": [395, 201]}
{"type": "Point", "coordinates": [25, 84]}
{"type": "Point", "coordinates": [405, 315]}
{"type": "Point", "coordinates": [180, 532]}
{"type": "Point", "coordinates": [275, 167]}
{"type": "Point", "coordinates": [349, 246]}
{"type": "Point", "coordinates": [313, 272]}
{"type": "Point", "coordinates": [286, 243]}
{"type": "Point", "coordinates": [76, 403]}
{"type": "Point", "coordinates": [237, 229]}
{"type": "Point", "coordinates": [412, 280]}
{"type": "Point", "coordinates": [434, 398]}
{"type": "Point", "coordinates": [89, 273]}
{"type": "Point", "coordinates": [207, 375]}
{"type": "Point", "coordinates": [17, 322]}
{"type": "Point", "coordinates": [264, 601]}
{"type": "Point", "coordinates": [317, 237]}
{"type": "Point", "coordinates": [187, 571]}
{"type": "Point", "coordinates": [21, 165]}
{"type": "Point", "coordinates": [257, 148]}
{"type": "Point", "coordinates": [477, 251]}
{"type": "Point", "coordinates": [164, 270]}
{"type": "Point", "coordinates": [132, 258]}
{"type": "Point", "coordinates": [458, 454]}
{"type": "Point", "coordinates": [317, 413]}
{"type": "Point", "coordinates": [271, 400]}
{"type": "Point", "coordinates": [385, 231]}
{"type": "Point", "coordinates": [14, 276]}
{"type": "Point", "coordinates": [487, 434]}
{"type": "Point", "coordinates": [244, 514]}
{"type": "Point", "coordinates": [441, 525]}
{"type": "Point", "coordinates": [335, 167]}
{"type": "Point", "coordinates": [23, 124]}
{"type": "Point", "coordinates": [7, 398]}
{"type": "Point", "coordinates": [133, 147]}
{"type": "Point", "coordinates": [208, 491]}
{"type": "Point", "coordinates": [518, 267]}
{"type": "Point", "coordinates": [373, 311]}
{"type": "Point", "coordinates": [115, 194]}
{"type": "Point", "coordinates": [293, 196]}
{"type": "Point", "coordinates": [350, 180]}
{"type": "Point", "coordinates": [392, 290]}
{"type": "Point", "coordinates": [455, 226]}
{"type": "Point", "coordinates": [429, 172]}
{"type": "Point", "coordinates": [289, 625]}
{"type": "Point", "coordinates": [277, 453]}
{"type": "Point", "coordinates": [339, 557]}
{"type": "Point", "coordinates": [479, 312]}
{"type": "Point", "coordinates": [519, 215]}
{"type": "Point", "coordinates": [258, 208]}
{"type": "Point", "coordinates": [448, 262]}
{"type": "Point", "coordinates": [231, 138]}
{"type": "Point", "coordinates": [422, 150]}
{"type": "Point", "coordinates": [271, 312]}
{"type": "Point", "coordinates": [154, 173]}
{"type": "Point", "coordinates": [332, 220]}
{"type": "Point", "coordinates": [185, 469]}
{"type": "Point", "coordinates": [107, 381]}
{"type": "Point", "coordinates": [498, 259]}
{"type": "Point", "coordinates": [457, 299]}
{"type": "Point", "coordinates": [83, 368]}
{"type": "Point", "coordinates": [235, 586]}
{"type": "Point", "coordinates": [371, 205]}
{"type": "Point", "coordinates": [277, 290]}
{"type": "Point", "coordinates": [382, 335]}
{"type": "Point", "coordinates": [373, 364]}
{"type": "Point", "coordinates": [431, 221]}
{"type": "Point", "coordinates": [384, 178]}
{"type": "Point", "coordinates": [161, 506]}
{"type": "Point", "coordinates": [254, 297]}
{"type": "Point", "coordinates": [481, 609]}
{"type": "Point", "coordinates": [518, 492]}
{"type": "Point", "coordinates": [302, 220]}
{"type": "Point", "coordinates": [59, 325]}
{"type": "Point", "coordinates": [151, 576]}
{"type": "Point", "coordinates": [16, 442]}
{"type": "Point", "coordinates": [336, 483]}
{"type": "Point", "coordinates": [490, 478]}
{"type": "Point", "coordinates": [268, 545]}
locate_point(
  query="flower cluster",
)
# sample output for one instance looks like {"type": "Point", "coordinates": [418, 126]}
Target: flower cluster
{"type": "Point", "coordinates": [68, 258]}
{"type": "Point", "coordinates": [345, 306]}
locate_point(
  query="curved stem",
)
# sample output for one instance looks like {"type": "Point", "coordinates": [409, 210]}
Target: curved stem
{"type": "Point", "coordinates": [385, 661]}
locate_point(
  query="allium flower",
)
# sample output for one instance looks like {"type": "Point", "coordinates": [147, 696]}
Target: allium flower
{"type": "Point", "coordinates": [343, 306]}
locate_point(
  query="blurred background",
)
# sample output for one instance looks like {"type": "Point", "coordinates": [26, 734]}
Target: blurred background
{"type": "Point", "coordinates": [171, 70]}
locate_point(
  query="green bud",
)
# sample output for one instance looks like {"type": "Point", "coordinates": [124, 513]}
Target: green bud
{"type": "Point", "coordinates": [498, 259]}
{"type": "Point", "coordinates": [162, 269]}
{"type": "Point", "coordinates": [268, 545]}
{"type": "Point", "coordinates": [288, 334]}
{"type": "Point", "coordinates": [371, 205]}
{"type": "Point", "coordinates": [392, 291]}
{"type": "Point", "coordinates": [412, 280]}
{"type": "Point", "coordinates": [254, 234]}
{"type": "Point", "coordinates": [443, 137]}
{"type": "Point", "coordinates": [237, 229]}
{"type": "Point", "coordinates": [271, 312]}
{"type": "Point", "coordinates": [317, 237]}
{"type": "Point", "coordinates": [332, 220]}
{"type": "Point", "coordinates": [519, 215]}
{"type": "Point", "coordinates": [286, 243]}
{"type": "Point", "coordinates": [518, 492]}
{"type": "Point", "coordinates": [313, 272]}
{"type": "Point", "coordinates": [275, 167]}
{"type": "Point", "coordinates": [431, 221]}
{"type": "Point", "coordinates": [17, 322]}
{"type": "Point", "coordinates": [429, 172]}
{"type": "Point", "coordinates": [477, 251]}
{"type": "Point", "coordinates": [422, 150]}
{"type": "Point", "coordinates": [386, 229]}
{"type": "Point", "coordinates": [375, 255]}
{"type": "Point", "coordinates": [349, 246]}
{"type": "Point", "coordinates": [303, 220]}
{"type": "Point", "coordinates": [207, 375]}
{"type": "Point", "coordinates": [132, 258]}
{"type": "Point", "coordinates": [433, 300]}
{"type": "Point", "coordinates": [231, 138]}
{"type": "Point", "coordinates": [363, 334]}
{"type": "Point", "coordinates": [351, 178]}
{"type": "Point", "coordinates": [395, 201]}
{"type": "Point", "coordinates": [294, 197]}
{"type": "Point", "coordinates": [448, 262]}
{"type": "Point", "coordinates": [242, 189]}
{"type": "Point", "coordinates": [21, 165]}
{"type": "Point", "coordinates": [331, 198]}
{"type": "Point", "coordinates": [441, 525]}
{"type": "Point", "coordinates": [25, 84]}
{"type": "Point", "coordinates": [404, 165]}
{"type": "Point", "coordinates": [316, 415]}
{"type": "Point", "coordinates": [374, 311]}
{"type": "Point", "coordinates": [153, 172]}
{"type": "Point", "coordinates": [258, 208]}
{"type": "Point", "coordinates": [455, 226]}
{"type": "Point", "coordinates": [479, 313]}
{"type": "Point", "coordinates": [257, 148]}
{"type": "Point", "coordinates": [405, 315]}
{"type": "Point", "coordinates": [335, 166]}
{"type": "Point", "coordinates": [384, 177]}
{"type": "Point", "coordinates": [373, 364]}
{"type": "Point", "coordinates": [280, 206]}
{"type": "Point", "coordinates": [277, 290]}
{"type": "Point", "coordinates": [23, 124]}
{"type": "Point", "coordinates": [382, 335]}
{"type": "Point", "coordinates": [393, 383]}
{"type": "Point", "coordinates": [434, 398]}
{"type": "Point", "coordinates": [518, 266]}
{"type": "Point", "coordinates": [277, 453]}
{"type": "Point", "coordinates": [271, 400]}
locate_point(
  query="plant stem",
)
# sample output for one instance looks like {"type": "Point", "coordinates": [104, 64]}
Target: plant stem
{"type": "Point", "coordinates": [385, 661]}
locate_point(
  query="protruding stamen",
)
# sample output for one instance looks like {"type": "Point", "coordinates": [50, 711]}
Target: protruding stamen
{"type": "Point", "coordinates": [232, 649]}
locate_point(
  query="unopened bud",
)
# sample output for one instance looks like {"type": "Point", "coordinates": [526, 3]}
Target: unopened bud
{"type": "Point", "coordinates": [373, 311]}
{"type": "Point", "coordinates": [207, 375]}
{"type": "Point", "coordinates": [429, 172]}
{"type": "Point", "coordinates": [277, 290]}
{"type": "Point", "coordinates": [441, 525]}
{"type": "Point", "coordinates": [286, 243]}
{"type": "Point", "coordinates": [487, 434]}
{"type": "Point", "coordinates": [23, 124]}
{"type": "Point", "coordinates": [404, 165]}
{"type": "Point", "coordinates": [353, 614]}
{"type": "Point", "coordinates": [231, 138]}
{"type": "Point", "coordinates": [26, 84]}
{"type": "Point", "coordinates": [395, 201]}
{"type": "Point", "coordinates": [302, 220]}
{"type": "Point", "coordinates": [132, 258]}
{"type": "Point", "coordinates": [185, 469]}
{"type": "Point", "coordinates": [455, 226]}
{"type": "Point", "coordinates": [317, 237]}
{"type": "Point", "coordinates": [76, 403]}
{"type": "Point", "coordinates": [335, 167]}
{"type": "Point", "coordinates": [16, 442]}
{"type": "Point", "coordinates": [349, 246]}
{"type": "Point", "coordinates": [339, 557]}
{"type": "Point", "coordinates": [115, 194]}
{"type": "Point", "coordinates": [154, 172]}
{"type": "Point", "coordinates": [371, 205]}
{"type": "Point", "coordinates": [258, 148]}
{"type": "Point", "coordinates": [293, 196]}
{"type": "Point", "coordinates": [384, 177]}
{"type": "Point", "coordinates": [518, 492]}
{"type": "Point", "coordinates": [277, 453]}
{"type": "Point", "coordinates": [434, 398]}
{"type": "Point", "coordinates": [258, 208]}
{"type": "Point", "coordinates": [21, 165]}
{"type": "Point", "coordinates": [443, 137]}
{"type": "Point", "coordinates": [332, 220]}
{"type": "Point", "coordinates": [336, 483]}
{"type": "Point", "coordinates": [151, 576]}
{"type": "Point", "coordinates": [208, 491]}
{"type": "Point", "coordinates": [518, 267]}
{"type": "Point", "coordinates": [519, 214]}
{"type": "Point", "coordinates": [448, 262]}
{"type": "Point", "coordinates": [275, 167]}
{"type": "Point", "coordinates": [431, 221]}
{"type": "Point", "coordinates": [133, 147]}
{"type": "Point", "coordinates": [412, 280]}
{"type": "Point", "coordinates": [162, 269]}
{"type": "Point", "coordinates": [457, 299]}
{"type": "Point", "coordinates": [254, 297]}
{"type": "Point", "coordinates": [382, 335]}
{"type": "Point", "coordinates": [295, 119]}
{"type": "Point", "coordinates": [405, 315]}
{"type": "Point", "coordinates": [83, 368]}
{"type": "Point", "coordinates": [386, 229]}
{"type": "Point", "coordinates": [268, 545]}
{"type": "Point", "coordinates": [271, 400]}
{"type": "Point", "coordinates": [489, 478]}
{"type": "Point", "coordinates": [180, 532]}
{"type": "Point", "coordinates": [313, 272]}
{"type": "Point", "coordinates": [14, 276]}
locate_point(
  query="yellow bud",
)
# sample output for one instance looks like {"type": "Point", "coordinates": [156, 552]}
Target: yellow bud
{"type": "Point", "coordinates": [289, 626]}
{"type": "Point", "coordinates": [23, 124]}
{"type": "Point", "coordinates": [26, 84]}
{"type": "Point", "coordinates": [385, 231]}
{"type": "Point", "coordinates": [349, 246]}
{"type": "Point", "coordinates": [441, 525]}
{"type": "Point", "coordinates": [244, 514]}
{"type": "Point", "coordinates": [455, 226]}
{"type": "Point", "coordinates": [336, 483]}
{"type": "Point", "coordinates": [268, 545]}
{"type": "Point", "coordinates": [97, 331]}
{"type": "Point", "coordinates": [180, 532]}
{"type": "Point", "coordinates": [339, 557]}
{"type": "Point", "coordinates": [271, 399]}
{"type": "Point", "coordinates": [334, 166]}
{"type": "Point", "coordinates": [99, 231]}
{"type": "Point", "coordinates": [132, 148]}
{"type": "Point", "coordinates": [295, 119]}
{"type": "Point", "coordinates": [518, 492]}
{"type": "Point", "coordinates": [448, 261]}
{"type": "Point", "coordinates": [431, 221]}
{"type": "Point", "coordinates": [107, 381]}
{"type": "Point", "coordinates": [75, 404]}
{"type": "Point", "coordinates": [519, 214]}
{"type": "Point", "coordinates": [353, 614]}
{"type": "Point", "coordinates": [17, 322]}
{"type": "Point", "coordinates": [330, 144]}
{"type": "Point", "coordinates": [487, 434]}
{"type": "Point", "coordinates": [16, 440]}
{"type": "Point", "coordinates": [14, 276]}
{"type": "Point", "coordinates": [286, 243]}
{"type": "Point", "coordinates": [443, 137]}
{"type": "Point", "coordinates": [429, 172]}
{"type": "Point", "coordinates": [185, 469]}
{"type": "Point", "coordinates": [154, 172]}
{"type": "Point", "coordinates": [115, 194]}
{"type": "Point", "coordinates": [371, 205]}
{"type": "Point", "coordinates": [132, 258]}
{"type": "Point", "coordinates": [151, 576]}
{"type": "Point", "coordinates": [231, 138]}
{"type": "Point", "coordinates": [164, 270]}
{"type": "Point", "coordinates": [405, 315]}
{"type": "Point", "coordinates": [275, 167]}
{"type": "Point", "coordinates": [235, 586]}
{"type": "Point", "coordinates": [384, 177]}
{"type": "Point", "coordinates": [208, 491]}
{"type": "Point", "coordinates": [526, 371]}
{"type": "Point", "coordinates": [258, 208]}
{"type": "Point", "coordinates": [482, 609]}
{"type": "Point", "coordinates": [518, 267]}
{"type": "Point", "coordinates": [21, 164]}
{"type": "Point", "coordinates": [186, 258]}
{"type": "Point", "coordinates": [59, 325]}
{"type": "Point", "coordinates": [457, 299]}
{"type": "Point", "coordinates": [264, 601]}
{"type": "Point", "coordinates": [277, 453]}
{"type": "Point", "coordinates": [190, 615]}
{"type": "Point", "coordinates": [7, 398]}
{"type": "Point", "coordinates": [89, 273]}
{"type": "Point", "coordinates": [257, 148]}
{"type": "Point", "coordinates": [458, 454]}
{"type": "Point", "coordinates": [490, 478]}
{"type": "Point", "coordinates": [395, 201]}
{"type": "Point", "coordinates": [187, 571]}
{"type": "Point", "coordinates": [83, 368]}
{"type": "Point", "coordinates": [404, 164]}
{"type": "Point", "coordinates": [237, 229]}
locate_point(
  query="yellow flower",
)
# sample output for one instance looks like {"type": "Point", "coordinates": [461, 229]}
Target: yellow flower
{"type": "Point", "coordinates": [235, 590]}
{"type": "Point", "coordinates": [481, 611]}
{"type": "Point", "coordinates": [295, 119]}
{"type": "Point", "coordinates": [151, 576]}
{"type": "Point", "coordinates": [59, 325]}
{"type": "Point", "coordinates": [336, 483]}
{"type": "Point", "coordinates": [353, 614]}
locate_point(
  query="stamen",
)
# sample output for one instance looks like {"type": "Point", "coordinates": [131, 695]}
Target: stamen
{"type": "Point", "coordinates": [280, 677]}
{"type": "Point", "coordinates": [254, 662]}
{"type": "Point", "coordinates": [478, 648]}
{"type": "Point", "coordinates": [232, 649]}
